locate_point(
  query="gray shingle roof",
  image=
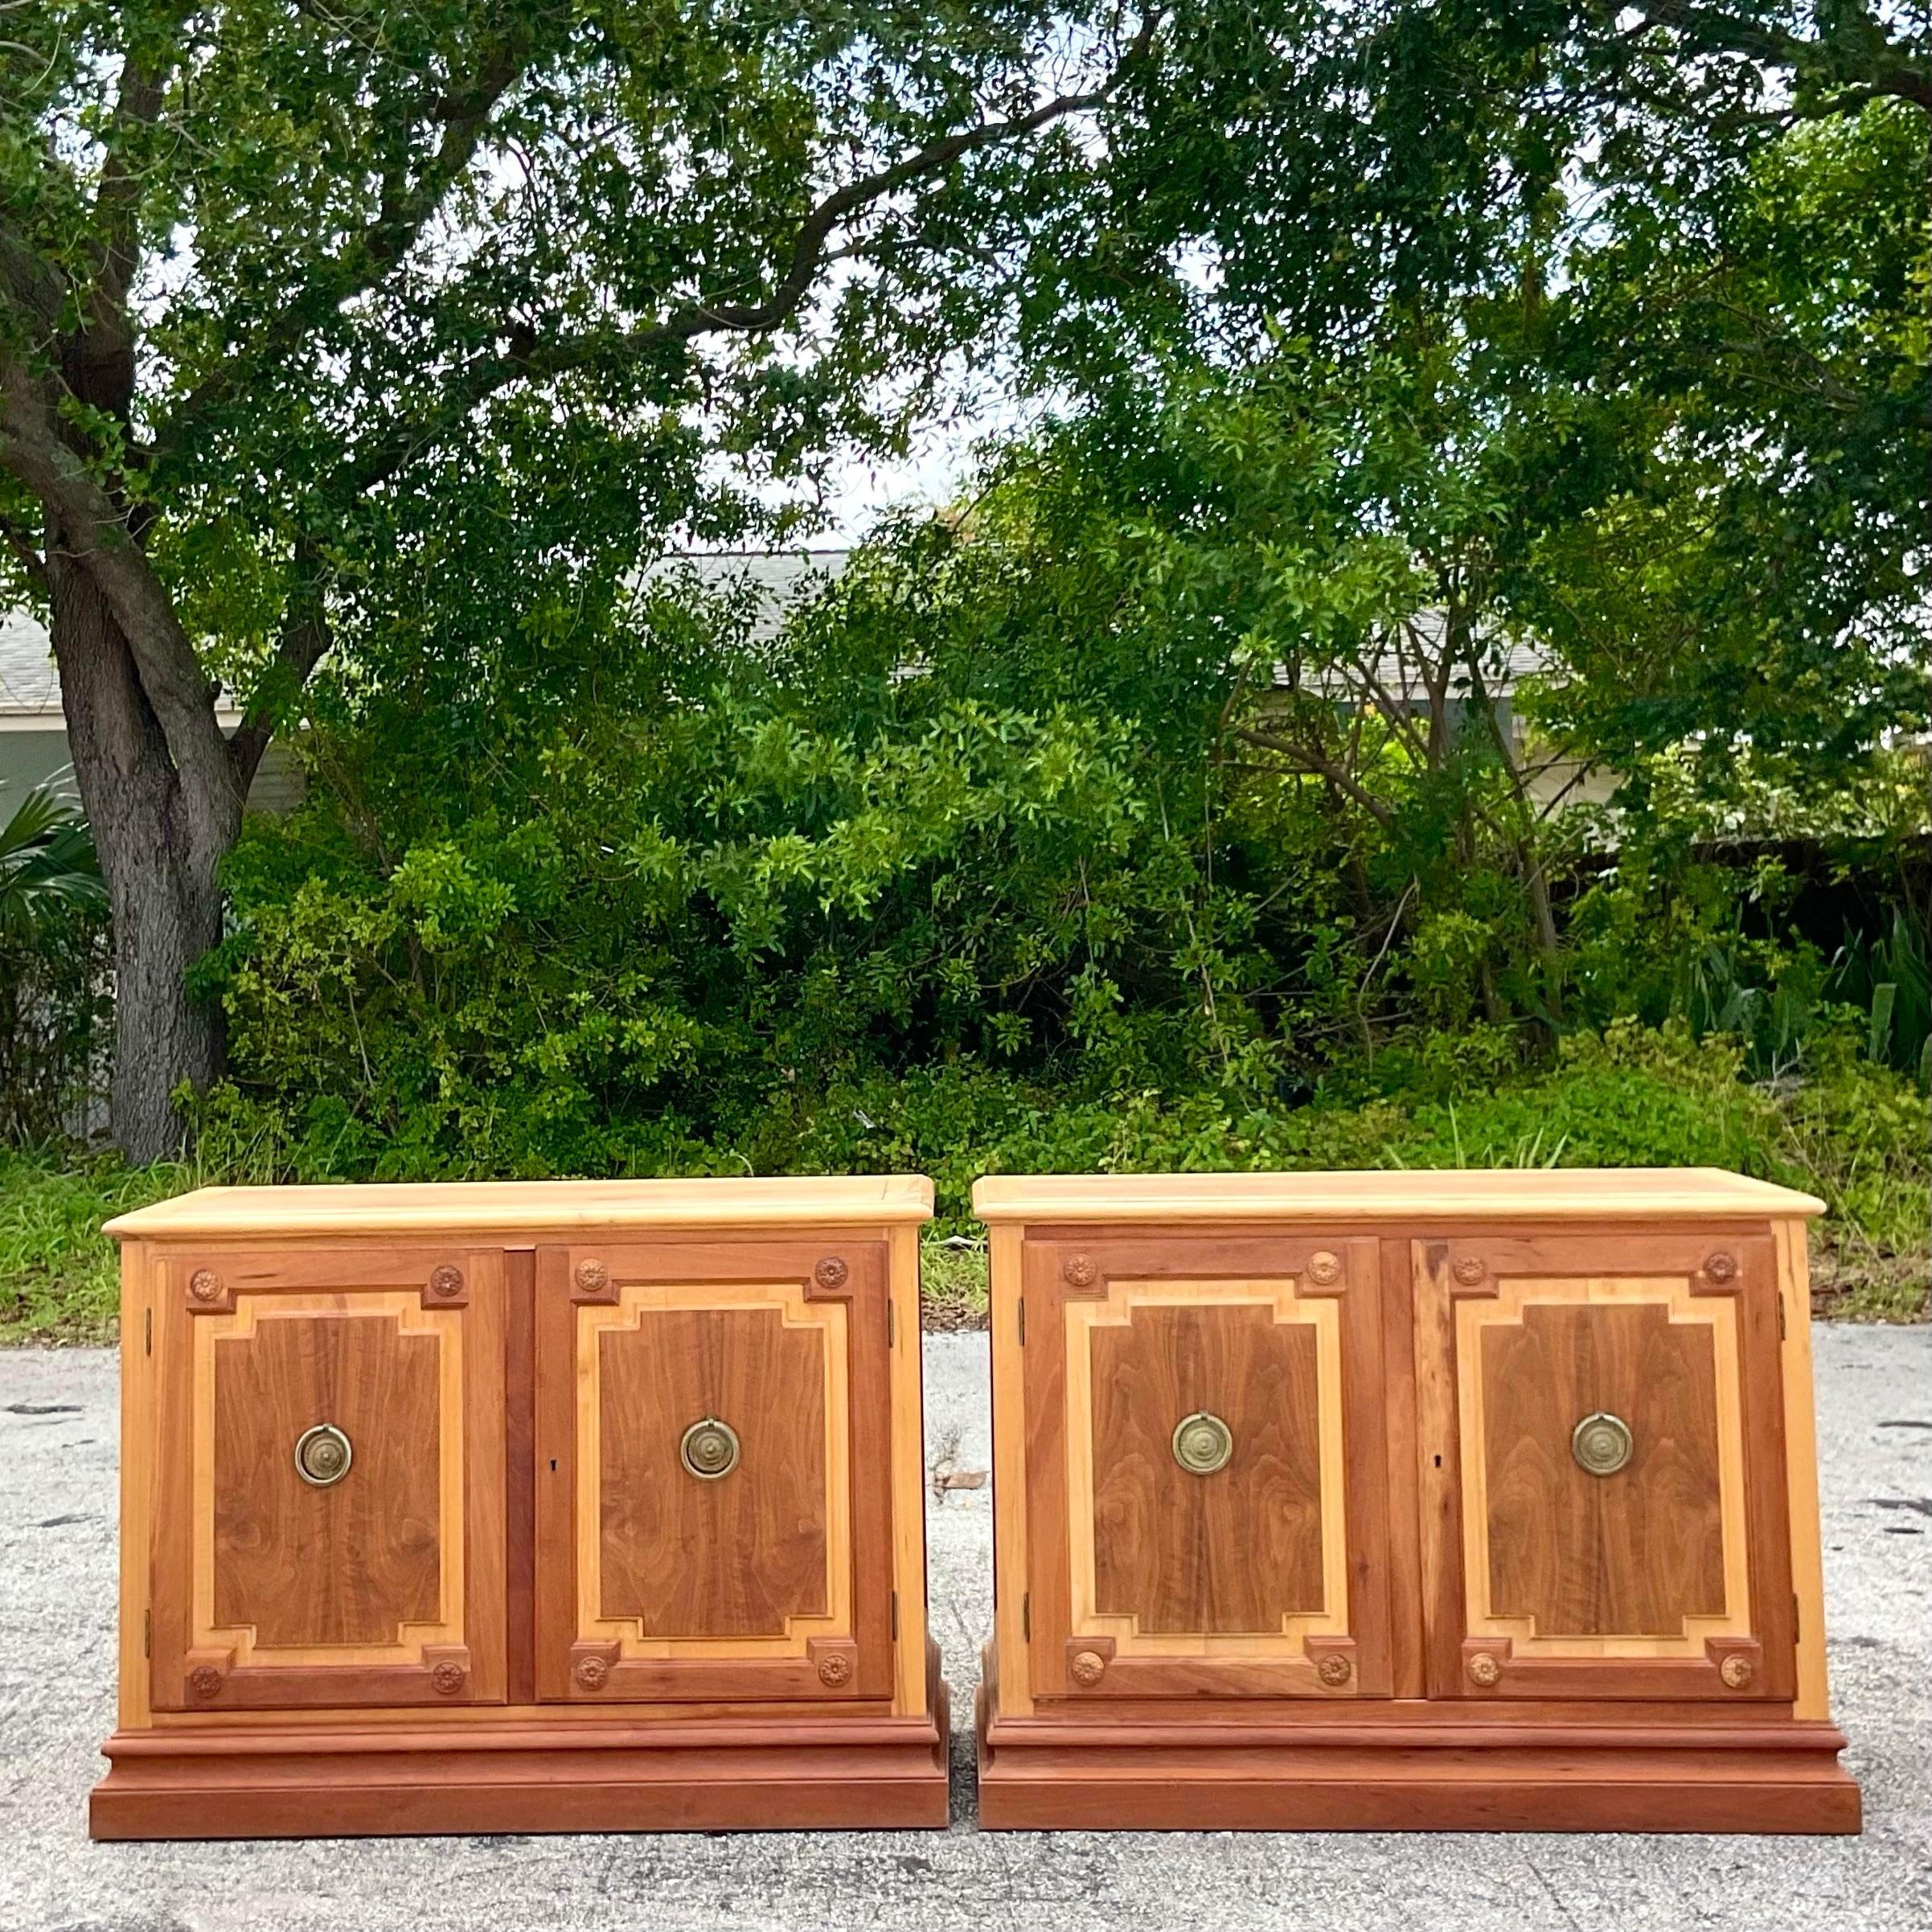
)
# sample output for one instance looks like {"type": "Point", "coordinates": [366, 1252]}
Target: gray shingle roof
{"type": "Point", "coordinates": [29, 684]}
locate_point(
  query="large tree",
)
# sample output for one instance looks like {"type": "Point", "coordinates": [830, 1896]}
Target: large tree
{"type": "Point", "coordinates": [269, 271]}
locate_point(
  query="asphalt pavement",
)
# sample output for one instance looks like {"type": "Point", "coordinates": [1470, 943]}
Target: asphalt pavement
{"type": "Point", "coordinates": [58, 1451]}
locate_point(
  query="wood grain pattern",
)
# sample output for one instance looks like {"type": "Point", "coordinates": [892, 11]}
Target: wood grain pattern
{"type": "Point", "coordinates": [1472, 1283]}
{"type": "Point", "coordinates": [1637, 1553]}
{"type": "Point", "coordinates": [718, 1772]}
{"type": "Point", "coordinates": [1402, 1473]}
{"type": "Point", "coordinates": [1240, 1550]}
{"type": "Point", "coordinates": [1012, 1477]}
{"type": "Point", "coordinates": [1210, 1283]}
{"type": "Point", "coordinates": [1396, 1201]}
{"type": "Point", "coordinates": [474, 1211]}
{"type": "Point", "coordinates": [742, 1557]}
{"type": "Point", "coordinates": [908, 1451]}
{"type": "Point", "coordinates": [139, 1450]}
{"type": "Point", "coordinates": [843, 1391]}
{"type": "Point", "coordinates": [295, 1568]}
{"type": "Point", "coordinates": [519, 1479]}
{"type": "Point", "coordinates": [1800, 1447]}
{"type": "Point", "coordinates": [259, 1597]}
{"type": "Point", "coordinates": [1652, 1562]}
{"type": "Point", "coordinates": [1045, 1774]}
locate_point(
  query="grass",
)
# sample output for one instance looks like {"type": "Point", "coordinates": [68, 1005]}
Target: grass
{"type": "Point", "coordinates": [1858, 1136]}
{"type": "Point", "coordinates": [953, 1287]}
{"type": "Point", "coordinates": [59, 1281]}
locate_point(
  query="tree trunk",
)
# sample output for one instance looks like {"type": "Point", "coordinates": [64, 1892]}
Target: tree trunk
{"type": "Point", "coordinates": [161, 840]}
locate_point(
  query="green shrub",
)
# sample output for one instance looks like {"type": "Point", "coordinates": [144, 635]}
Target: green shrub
{"type": "Point", "coordinates": [1858, 1135]}
{"type": "Point", "coordinates": [58, 1276]}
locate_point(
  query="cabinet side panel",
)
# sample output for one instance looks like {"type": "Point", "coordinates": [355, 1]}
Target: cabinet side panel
{"type": "Point", "coordinates": [906, 1377]}
{"type": "Point", "coordinates": [137, 1465]}
{"type": "Point", "coordinates": [1801, 1467]}
{"type": "Point", "coordinates": [1010, 1579]}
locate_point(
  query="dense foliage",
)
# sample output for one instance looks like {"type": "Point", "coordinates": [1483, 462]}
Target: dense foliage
{"type": "Point", "coordinates": [53, 970]}
{"type": "Point", "coordinates": [1442, 678]}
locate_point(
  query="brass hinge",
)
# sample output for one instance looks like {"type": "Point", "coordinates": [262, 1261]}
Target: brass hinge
{"type": "Point", "coordinates": [147, 1330]}
{"type": "Point", "coordinates": [147, 1633]}
{"type": "Point", "coordinates": [1022, 1321]}
{"type": "Point", "coordinates": [888, 1324]}
{"type": "Point", "coordinates": [1797, 1627]}
{"type": "Point", "coordinates": [895, 1616]}
{"type": "Point", "coordinates": [1781, 1317]}
{"type": "Point", "coordinates": [1026, 1616]}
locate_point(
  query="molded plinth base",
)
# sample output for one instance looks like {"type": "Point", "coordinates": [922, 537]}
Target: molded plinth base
{"type": "Point", "coordinates": [789, 1774]}
{"type": "Point", "coordinates": [1086, 1774]}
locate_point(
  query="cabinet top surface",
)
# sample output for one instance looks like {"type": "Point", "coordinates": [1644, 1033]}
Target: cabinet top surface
{"type": "Point", "coordinates": [1645, 1194]}
{"type": "Point", "coordinates": [482, 1208]}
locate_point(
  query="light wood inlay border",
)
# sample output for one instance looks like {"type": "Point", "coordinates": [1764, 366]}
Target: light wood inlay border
{"type": "Point", "coordinates": [1116, 1309]}
{"type": "Point", "coordinates": [908, 1438]}
{"type": "Point", "coordinates": [403, 1307]}
{"type": "Point", "coordinates": [1506, 1308]}
{"type": "Point", "coordinates": [1801, 1467]}
{"type": "Point", "coordinates": [1006, 1249]}
{"type": "Point", "coordinates": [140, 1450]}
{"type": "Point", "coordinates": [636, 1303]}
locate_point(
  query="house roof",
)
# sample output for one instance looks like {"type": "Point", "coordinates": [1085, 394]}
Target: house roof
{"type": "Point", "coordinates": [29, 687]}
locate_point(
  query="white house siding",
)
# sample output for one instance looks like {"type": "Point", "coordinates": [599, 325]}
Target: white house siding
{"type": "Point", "coordinates": [33, 731]}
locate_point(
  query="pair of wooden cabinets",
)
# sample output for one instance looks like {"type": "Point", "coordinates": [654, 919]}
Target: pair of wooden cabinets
{"type": "Point", "coordinates": [1323, 1500]}
{"type": "Point", "coordinates": [495, 1507]}
{"type": "Point", "coordinates": [1454, 1501]}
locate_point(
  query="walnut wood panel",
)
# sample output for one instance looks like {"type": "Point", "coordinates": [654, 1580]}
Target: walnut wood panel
{"type": "Point", "coordinates": [372, 1547]}
{"type": "Point", "coordinates": [744, 1556]}
{"type": "Point", "coordinates": [384, 1588]}
{"type": "Point", "coordinates": [773, 1583]}
{"type": "Point", "coordinates": [1669, 1577]}
{"type": "Point", "coordinates": [1238, 1551]}
{"type": "Point", "coordinates": [1265, 1577]}
{"type": "Point", "coordinates": [1640, 1553]}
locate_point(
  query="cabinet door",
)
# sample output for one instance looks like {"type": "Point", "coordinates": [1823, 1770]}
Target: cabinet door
{"type": "Point", "coordinates": [330, 1478]}
{"type": "Point", "coordinates": [714, 1505]}
{"type": "Point", "coordinates": [1603, 1467]}
{"type": "Point", "coordinates": [1206, 1493]}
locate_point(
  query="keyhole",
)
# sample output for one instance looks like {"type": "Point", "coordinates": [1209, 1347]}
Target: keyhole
{"type": "Point", "coordinates": [1438, 1463]}
{"type": "Point", "coordinates": [553, 1464]}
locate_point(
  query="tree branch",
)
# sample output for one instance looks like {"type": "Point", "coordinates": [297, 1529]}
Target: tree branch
{"type": "Point", "coordinates": [525, 356]}
{"type": "Point", "coordinates": [1878, 64]}
{"type": "Point", "coordinates": [1316, 765]}
{"type": "Point", "coordinates": [305, 640]}
{"type": "Point", "coordinates": [88, 526]}
{"type": "Point", "coordinates": [22, 545]}
{"type": "Point", "coordinates": [808, 246]}
{"type": "Point", "coordinates": [400, 218]}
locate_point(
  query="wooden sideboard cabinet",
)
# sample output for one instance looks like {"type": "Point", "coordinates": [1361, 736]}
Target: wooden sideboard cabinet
{"type": "Point", "coordinates": [561, 1506]}
{"type": "Point", "coordinates": [1455, 1501]}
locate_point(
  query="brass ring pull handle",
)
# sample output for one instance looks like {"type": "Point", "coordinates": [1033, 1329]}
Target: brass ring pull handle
{"type": "Point", "coordinates": [709, 1449]}
{"type": "Point", "coordinates": [322, 1455]}
{"type": "Point", "coordinates": [1202, 1443]}
{"type": "Point", "coordinates": [1602, 1444]}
